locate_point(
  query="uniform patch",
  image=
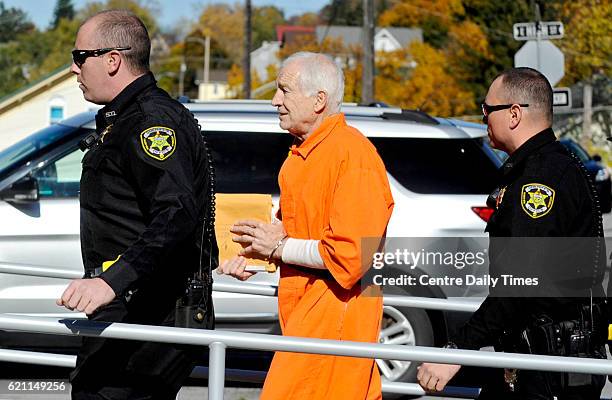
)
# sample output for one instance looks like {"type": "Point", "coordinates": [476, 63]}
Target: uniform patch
{"type": "Point", "coordinates": [158, 142]}
{"type": "Point", "coordinates": [537, 199]}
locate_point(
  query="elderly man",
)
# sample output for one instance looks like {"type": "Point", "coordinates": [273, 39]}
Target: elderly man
{"type": "Point", "coordinates": [144, 188]}
{"type": "Point", "coordinates": [334, 192]}
{"type": "Point", "coordinates": [545, 198]}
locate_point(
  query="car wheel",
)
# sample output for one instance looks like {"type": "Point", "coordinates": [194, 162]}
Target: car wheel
{"type": "Point", "coordinates": [405, 326]}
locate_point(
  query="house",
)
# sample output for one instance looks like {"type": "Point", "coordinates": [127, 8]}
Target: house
{"type": "Point", "coordinates": [262, 57]}
{"type": "Point", "coordinates": [36, 106]}
{"type": "Point", "coordinates": [216, 88]}
{"type": "Point", "coordinates": [385, 38]}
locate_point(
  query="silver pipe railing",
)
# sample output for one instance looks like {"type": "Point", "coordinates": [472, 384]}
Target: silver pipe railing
{"type": "Point", "coordinates": [219, 340]}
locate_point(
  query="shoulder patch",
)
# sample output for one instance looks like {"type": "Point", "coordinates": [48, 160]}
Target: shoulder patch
{"type": "Point", "coordinates": [537, 199]}
{"type": "Point", "coordinates": [158, 142]}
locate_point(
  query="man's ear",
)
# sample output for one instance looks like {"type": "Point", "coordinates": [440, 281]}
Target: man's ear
{"type": "Point", "coordinates": [113, 61]}
{"type": "Point", "coordinates": [516, 115]}
{"type": "Point", "coordinates": [321, 101]}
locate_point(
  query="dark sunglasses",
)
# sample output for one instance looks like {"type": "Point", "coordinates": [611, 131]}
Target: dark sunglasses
{"type": "Point", "coordinates": [79, 56]}
{"type": "Point", "coordinates": [488, 109]}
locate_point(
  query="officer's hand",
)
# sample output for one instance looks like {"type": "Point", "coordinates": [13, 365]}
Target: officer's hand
{"type": "Point", "coordinates": [235, 267]}
{"type": "Point", "coordinates": [434, 377]}
{"type": "Point", "coordinates": [86, 295]}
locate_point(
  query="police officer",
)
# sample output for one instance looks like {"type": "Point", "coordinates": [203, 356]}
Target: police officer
{"type": "Point", "coordinates": [546, 225]}
{"type": "Point", "coordinates": [145, 186]}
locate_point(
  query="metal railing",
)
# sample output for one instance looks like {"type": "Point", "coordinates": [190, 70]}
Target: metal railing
{"type": "Point", "coordinates": [218, 341]}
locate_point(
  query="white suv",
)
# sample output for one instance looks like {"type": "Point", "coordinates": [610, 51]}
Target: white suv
{"type": "Point", "coordinates": [440, 175]}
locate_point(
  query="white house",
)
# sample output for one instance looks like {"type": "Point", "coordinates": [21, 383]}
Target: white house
{"type": "Point", "coordinates": [217, 87]}
{"type": "Point", "coordinates": [265, 55]}
{"type": "Point", "coordinates": [36, 106]}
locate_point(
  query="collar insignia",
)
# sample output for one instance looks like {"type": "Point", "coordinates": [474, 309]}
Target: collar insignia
{"type": "Point", "coordinates": [537, 199]}
{"type": "Point", "coordinates": [500, 197]}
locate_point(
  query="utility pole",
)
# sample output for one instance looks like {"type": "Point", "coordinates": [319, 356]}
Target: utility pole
{"type": "Point", "coordinates": [367, 85]}
{"type": "Point", "coordinates": [538, 21]}
{"type": "Point", "coordinates": [206, 44]}
{"type": "Point", "coordinates": [182, 70]}
{"type": "Point", "coordinates": [246, 63]}
{"type": "Point", "coordinates": [587, 113]}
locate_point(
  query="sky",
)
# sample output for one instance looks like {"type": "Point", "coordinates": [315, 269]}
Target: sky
{"type": "Point", "coordinates": [172, 11]}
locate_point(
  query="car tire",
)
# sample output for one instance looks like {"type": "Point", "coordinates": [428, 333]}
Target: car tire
{"type": "Point", "coordinates": [406, 326]}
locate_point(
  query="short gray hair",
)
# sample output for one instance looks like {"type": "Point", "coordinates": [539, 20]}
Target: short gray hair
{"type": "Point", "coordinates": [319, 72]}
{"type": "Point", "coordinates": [527, 85]}
{"type": "Point", "coordinates": [118, 28]}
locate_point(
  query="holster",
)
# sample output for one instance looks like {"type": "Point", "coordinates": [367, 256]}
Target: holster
{"type": "Point", "coordinates": [195, 309]}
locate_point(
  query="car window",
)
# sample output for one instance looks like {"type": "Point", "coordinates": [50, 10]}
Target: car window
{"type": "Point", "coordinates": [20, 151]}
{"type": "Point", "coordinates": [248, 162]}
{"type": "Point", "coordinates": [440, 166]}
{"type": "Point", "coordinates": [577, 150]}
{"type": "Point", "coordinates": [61, 178]}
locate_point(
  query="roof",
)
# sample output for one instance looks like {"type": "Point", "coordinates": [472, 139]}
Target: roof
{"type": "Point", "coordinates": [214, 75]}
{"type": "Point", "coordinates": [292, 30]}
{"type": "Point", "coordinates": [35, 88]}
{"type": "Point", "coordinates": [353, 35]}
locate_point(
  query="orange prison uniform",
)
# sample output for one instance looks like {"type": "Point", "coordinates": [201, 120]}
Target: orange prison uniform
{"type": "Point", "coordinates": [334, 188]}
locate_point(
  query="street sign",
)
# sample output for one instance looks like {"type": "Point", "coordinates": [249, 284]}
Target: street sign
{"type": "Point", "coordinates": [543, 56]}
{"type": "Point", "coordinates": [530, 30]}
{"type": "Point", "coordinates": [562, 97]}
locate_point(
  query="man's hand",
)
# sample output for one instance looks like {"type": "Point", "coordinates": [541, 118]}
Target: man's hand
{"type": "Point", "coordinates": [235, 267]}
{"type": "Point", "coordinates": [257, 238]}
{"type": "Point", "coordinates": [434, 377]}
{"type": "Point", "coordinates": [86, 295]}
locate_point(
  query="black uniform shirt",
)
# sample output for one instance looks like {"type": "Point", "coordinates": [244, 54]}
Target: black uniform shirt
{"type": "Point", "coordinates": [143, 190]}
{"type": "Point", "coordinates": [546, 216]}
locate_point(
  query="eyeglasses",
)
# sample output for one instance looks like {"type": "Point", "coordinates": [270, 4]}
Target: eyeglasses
{"type": "Point", "coordinates": [79, 56]}
{"type": "Point", "coordinates": [488, 109]}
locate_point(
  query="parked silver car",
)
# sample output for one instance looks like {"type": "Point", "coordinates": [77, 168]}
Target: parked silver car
{"type": "Point", "coordinates": [440, 175]}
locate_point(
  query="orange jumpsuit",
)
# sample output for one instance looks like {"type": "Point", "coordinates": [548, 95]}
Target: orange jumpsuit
{"type": "Point", "coordinates": [334, 188]}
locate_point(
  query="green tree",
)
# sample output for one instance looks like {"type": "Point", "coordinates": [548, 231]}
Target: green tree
{"type": "Point", "coordinates": [13, 22]}
{"type": "Point", "coordinates": [63, 9]}
{"type": "Point", "coordinates": [343, 12]}
{"type": "Point", "coordinates": [265, 20]}
{"type": "Point", "coordinates": [588, 39]}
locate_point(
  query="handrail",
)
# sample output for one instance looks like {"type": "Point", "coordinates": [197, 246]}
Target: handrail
{"type": "Point", "coordinates": [256, 341]}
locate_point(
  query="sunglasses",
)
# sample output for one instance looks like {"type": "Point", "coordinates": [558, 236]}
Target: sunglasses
{"type": "Point", "coordinates": [79, 56]}
{"type": "Point", "coordinates": [488, 109]}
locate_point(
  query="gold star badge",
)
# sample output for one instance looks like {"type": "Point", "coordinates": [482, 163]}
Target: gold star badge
{"type": "Point", "coordinates": [537, 199]}
{"type": "Point", "coordinates": [158, 142]}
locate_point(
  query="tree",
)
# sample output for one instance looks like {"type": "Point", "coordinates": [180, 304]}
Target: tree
{"type": "Point", "coordinates": [587, 43]}
{"type": "Point", "coordinates": [306, 19]}
{"type": "Point", "coordinates": [265, 20]}
{"type": "Point", "coordinates": [342, 12]}
{"type": "Point", "coordinates": [13, 22]}
{"type": "Point", "coordinates": [434, 17]}
{"type": "Point", "coordinates": [419, 78]}
{"type": "Point", "coordinates": [63, 9]}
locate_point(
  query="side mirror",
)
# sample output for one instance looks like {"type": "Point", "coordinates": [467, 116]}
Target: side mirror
{"type": "Point", "coordinates": [596, 157]}
{"type": "Point", "coordinates": [24, 190]}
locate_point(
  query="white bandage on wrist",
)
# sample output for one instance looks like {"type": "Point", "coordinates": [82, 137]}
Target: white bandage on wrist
{"type": "Point", "coordinates": [302, 252]}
